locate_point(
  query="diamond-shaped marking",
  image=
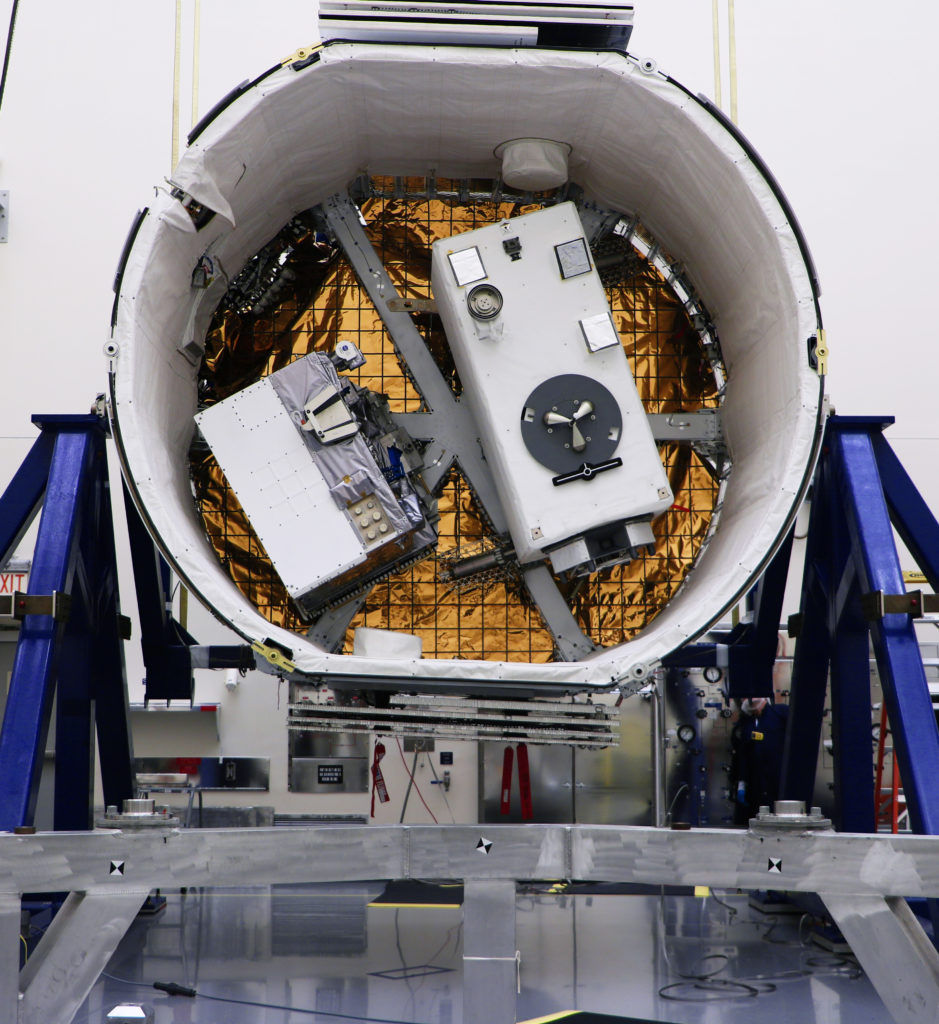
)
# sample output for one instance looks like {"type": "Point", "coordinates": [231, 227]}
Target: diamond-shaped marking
{"type": "Point", "coordinates": [484, 845]}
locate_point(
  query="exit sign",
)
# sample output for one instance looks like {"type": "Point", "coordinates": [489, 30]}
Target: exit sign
{"type": "Point", "coordinates": [12, 580]}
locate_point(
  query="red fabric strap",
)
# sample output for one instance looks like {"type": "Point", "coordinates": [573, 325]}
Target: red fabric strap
{"type": "Point", "coordinates": [378, 780]}
{"type": "Point", "coordinates": [506, 798]}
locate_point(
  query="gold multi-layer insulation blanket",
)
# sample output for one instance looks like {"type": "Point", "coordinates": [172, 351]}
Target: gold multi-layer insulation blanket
{"type": "Point", "coordinates": [325, 303]}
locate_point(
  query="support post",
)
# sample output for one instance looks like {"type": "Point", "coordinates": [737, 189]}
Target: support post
{"type": "Point", "coordinates": [490, 964]}
{"type": "Point", "coordinates": [112, 717]}
{"type": "Point", "coordinates": [763, 638]}
{"type": "Point", "coordinates": [851, 724]}
{"type": "Point", "coordinates": [10, 904]}
{"type": "Point", "coordinates": [164, 642]}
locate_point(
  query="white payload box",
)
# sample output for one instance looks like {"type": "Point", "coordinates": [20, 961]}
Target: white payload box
{"type": "Point", "coordinates": [543, 369]}
{"type": "Point", "coordinates": [332, 507]}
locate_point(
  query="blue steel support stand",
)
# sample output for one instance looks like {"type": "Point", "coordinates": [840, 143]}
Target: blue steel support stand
{"type": "Point", "coordinates": [82, 658]}
{"type": "Point", "coordinates": [861, 492]}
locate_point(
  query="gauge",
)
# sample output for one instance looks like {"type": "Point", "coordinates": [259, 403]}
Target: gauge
{"type": "Point", "coordinates": [686, 733]}
{"type": "Point", "coordinates": [713, 674]}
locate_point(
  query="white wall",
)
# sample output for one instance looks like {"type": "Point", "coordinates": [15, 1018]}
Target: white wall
{"type": "Point", "coordinates": [836, 97]}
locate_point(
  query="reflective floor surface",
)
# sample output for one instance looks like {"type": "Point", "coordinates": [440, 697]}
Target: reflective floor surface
{"type": "Point", "coordinates": [287, 954]}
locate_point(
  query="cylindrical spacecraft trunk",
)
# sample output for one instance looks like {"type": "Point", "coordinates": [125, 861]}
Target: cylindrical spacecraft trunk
{"type": "Point", "coordinates": [635, 141]}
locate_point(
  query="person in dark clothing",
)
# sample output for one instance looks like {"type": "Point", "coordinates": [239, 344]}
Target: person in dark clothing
{"type": "Point", "coordinates": [756, 763]}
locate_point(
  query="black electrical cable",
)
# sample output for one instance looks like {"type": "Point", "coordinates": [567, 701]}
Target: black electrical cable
{"type": "Point", "coordinates": [702, 985]}
{"type": "Point", "coordinates": [835, 964]}
{"type": "Point", "coordinates": [731, 911]}
{"type": "Point", "coordinates": [722, 989]}
{"type": "Point", "coordinates": [9, 48]}
{"type": "Point", "coordinates": [181, 990]}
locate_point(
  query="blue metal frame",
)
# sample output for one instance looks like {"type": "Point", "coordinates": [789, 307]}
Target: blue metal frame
{"type": "Point", "coordinates": [861, 492]}
{"type": "Point", "coordinates": [22, 498]}
{"type": "Point", "coordinates": [82, 658]}
{"type": "Point", "coordinates": [164, 642]}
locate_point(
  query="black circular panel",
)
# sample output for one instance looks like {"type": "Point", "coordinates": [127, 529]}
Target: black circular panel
{"type": "Point", "coordinates": [569, 420]}
{"type": "Point", "coordinates": [484, 301]}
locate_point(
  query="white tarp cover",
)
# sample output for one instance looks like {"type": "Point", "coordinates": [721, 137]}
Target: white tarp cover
{"type": "Point", "coordinates": [639, 144]}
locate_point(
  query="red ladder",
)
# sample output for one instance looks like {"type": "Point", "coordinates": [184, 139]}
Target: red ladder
{"type": "Point", "coordinates": [890, 803]}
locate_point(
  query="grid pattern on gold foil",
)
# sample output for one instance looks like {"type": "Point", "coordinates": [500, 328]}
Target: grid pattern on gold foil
{"type": "Point", "coordinates": [327, 304]}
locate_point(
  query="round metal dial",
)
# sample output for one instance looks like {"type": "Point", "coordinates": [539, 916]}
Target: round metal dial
{"type": "Point", "coordinates": [569, 420]}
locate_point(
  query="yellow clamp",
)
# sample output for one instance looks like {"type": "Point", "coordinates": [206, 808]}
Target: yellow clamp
{"type": "Point", "coordinates": [909, 576]}
{"type": "Point", "coordinates": [277, 658]}
{"type": "Point", "coordinates": [821, 352]}
{"type": "Point", "coordinates": [302, 54]}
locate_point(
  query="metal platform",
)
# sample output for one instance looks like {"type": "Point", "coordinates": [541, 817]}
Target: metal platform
{"type": "Point", "coordinates": [860, 879]}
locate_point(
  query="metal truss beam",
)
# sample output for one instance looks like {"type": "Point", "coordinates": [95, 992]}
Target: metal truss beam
{"type": "Point", "coordinates": [899, 959]}
{"type": "Point", "coordinates": [73, 953]}
{"type": "Point", "coordinates": [21, 500]}
{"type": "Point", "coordinates": [860, 878]}
{"type": "Point", "coordinates": [822, 861]}
{"type": "Point", "coordinates": [909, 513]}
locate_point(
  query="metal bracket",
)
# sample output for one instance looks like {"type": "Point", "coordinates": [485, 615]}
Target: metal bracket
{"type": "Point", "coordinates": [821, 352]}
{"type": "Point", "coordinates": [18, 605]}
{"type": "Point", "coordinates": [914, 603]}
{"type": "Point", "coordinates": [275, 657]}
{"type": "Point", "coordinates": [818, 352]}
{"type": "Point", "coordinates": [4, 215]}
{"type": "Point", "coordinates": [701, 426]}
{"type": "Point", "coordinates": [412, 305]}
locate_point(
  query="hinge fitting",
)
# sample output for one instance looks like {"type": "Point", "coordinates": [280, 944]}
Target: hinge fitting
{"type": "Point", "coordinates": [301, 55]}
{"type": "Point", "coordinates": [821, 352]}
{"type": "Point", "coordinates": [276, 658]}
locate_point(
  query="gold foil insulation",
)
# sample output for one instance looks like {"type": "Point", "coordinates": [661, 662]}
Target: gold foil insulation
{"type": "Point", "coordinates": [321, 303]}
